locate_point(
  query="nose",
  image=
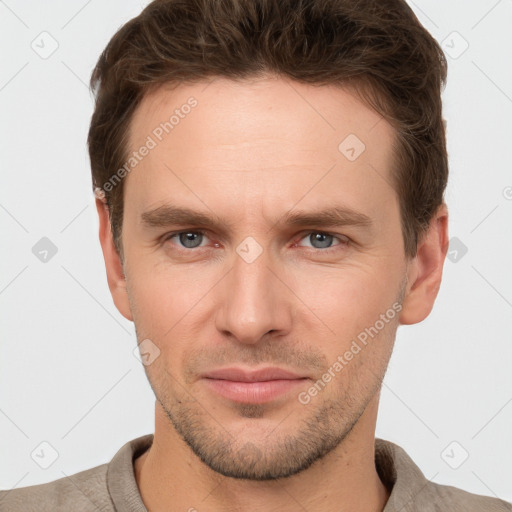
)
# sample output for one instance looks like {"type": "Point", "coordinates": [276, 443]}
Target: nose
{"type": "Point", "coordinates": [253, 301]}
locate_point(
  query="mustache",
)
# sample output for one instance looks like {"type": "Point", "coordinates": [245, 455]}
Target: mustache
{"type": "Point", "coordinates": [275, 353]}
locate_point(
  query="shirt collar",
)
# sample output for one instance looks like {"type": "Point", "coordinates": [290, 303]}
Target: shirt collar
{"type": "Point", "coordinates": [395, 468]}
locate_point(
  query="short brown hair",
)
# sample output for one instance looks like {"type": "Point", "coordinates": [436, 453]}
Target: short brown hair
{"type": "Point", "coordinates": [399, 68]}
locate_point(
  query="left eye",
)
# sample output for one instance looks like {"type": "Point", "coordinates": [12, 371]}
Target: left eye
{"type": "Point", "coordinates": [321, 240]}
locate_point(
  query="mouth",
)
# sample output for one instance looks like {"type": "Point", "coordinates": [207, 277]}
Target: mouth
{"type": "Point", "coordinates": [255, 387]}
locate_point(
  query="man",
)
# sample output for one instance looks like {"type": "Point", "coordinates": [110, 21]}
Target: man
{"type": "Point", "coordinates": [269, 179]}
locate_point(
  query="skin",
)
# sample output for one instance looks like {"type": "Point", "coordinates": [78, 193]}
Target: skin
{"type": "Point", "coordinates": [249, 153]}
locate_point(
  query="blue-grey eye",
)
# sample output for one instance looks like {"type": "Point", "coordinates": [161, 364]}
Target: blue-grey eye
{"type": "Point", "coordinates": [190, 239]}
{"type": "Point", "coordinates": [323, 240]}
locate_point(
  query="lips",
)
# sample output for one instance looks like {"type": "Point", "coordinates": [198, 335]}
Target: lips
{"type": "Point", "coordinates": [252, 386]}
{"type": "Point", "coordinates": [262, 375]}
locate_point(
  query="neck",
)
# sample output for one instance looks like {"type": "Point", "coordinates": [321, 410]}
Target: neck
{"type": "Point", "coordinates": [171, 477]}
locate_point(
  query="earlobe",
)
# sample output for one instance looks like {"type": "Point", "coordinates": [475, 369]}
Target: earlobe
{"type": "Point", "coordinates": [113, 265]}
{"type": "Point", "coordinates": [425, 270]}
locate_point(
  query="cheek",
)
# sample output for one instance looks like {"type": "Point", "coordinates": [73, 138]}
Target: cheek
{"type": "Point", "coordinates": [163, 295]}
{"type": "Point", "coordinates": [163, 312]}
{"type": "Point", "coordinates": [350, 302]}
{"type": "Point", "coordinates": [351, 298]}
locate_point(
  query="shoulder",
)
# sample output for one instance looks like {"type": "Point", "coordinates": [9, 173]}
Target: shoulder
{"type": "Point", "coordinates": [82, 491]}
{"type": "Point", "coordinates": [92, 490]}
{"type": "Point", "coordinates": [412, 492]}
{"type": "Point", "coordinates": [458, 500]}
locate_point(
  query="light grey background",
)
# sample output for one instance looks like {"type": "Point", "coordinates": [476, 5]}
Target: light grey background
{"type": "Point", "coordinates": [68, 376]}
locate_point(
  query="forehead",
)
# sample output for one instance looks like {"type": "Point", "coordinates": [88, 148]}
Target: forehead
{"type": "Point", "coordinates": [272, 136]}
{"type": "Point", "coordinates": [247, 110]}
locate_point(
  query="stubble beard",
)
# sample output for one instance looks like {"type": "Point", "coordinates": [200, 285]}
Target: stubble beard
{"type": "Point", "coordinates": [319, 427]}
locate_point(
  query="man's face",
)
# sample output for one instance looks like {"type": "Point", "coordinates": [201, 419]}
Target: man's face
{"type": "Point", "coordinates": [256, 291]}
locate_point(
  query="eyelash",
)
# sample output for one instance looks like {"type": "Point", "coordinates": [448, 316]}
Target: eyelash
{"type": "Point", "coordinates": [344, 240]}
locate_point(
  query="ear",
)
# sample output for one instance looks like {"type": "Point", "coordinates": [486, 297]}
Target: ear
{"type": "Point", "coordinates": [425, 270]}
{"type": "Point", "coordinates": [113, 265]}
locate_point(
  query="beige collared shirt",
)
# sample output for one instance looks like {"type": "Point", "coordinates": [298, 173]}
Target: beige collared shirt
{"type": "Point", "coordinates": [112, 487]}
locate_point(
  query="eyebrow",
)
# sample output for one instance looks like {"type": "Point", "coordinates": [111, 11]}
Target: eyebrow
{"type": "Point", "coordinates": [335, 216]}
